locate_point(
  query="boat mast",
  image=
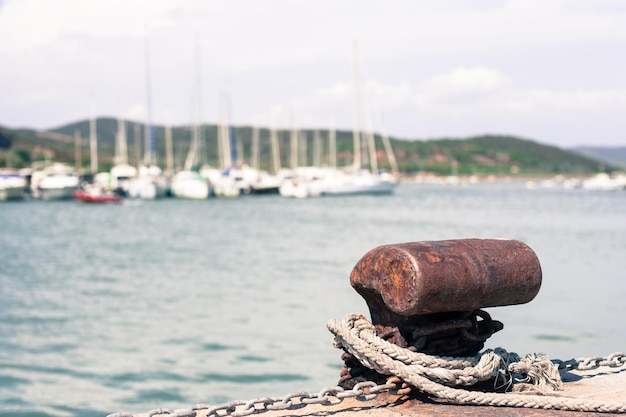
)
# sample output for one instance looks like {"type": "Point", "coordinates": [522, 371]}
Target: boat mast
{"type": "Point", "coordinates": [233, 138]}
{"type": "Point", "coordinates": [371, 146]}
{"type": "Point", "coordinates": [121, 151]}
{"type": "Point", "coordinates": [137, 145]}
{"type": "Point", "coordinates": [77, 150]}
{"type": "Point", "coordinates": [220, 131]}
{"type": "Point", "coordinates": [200, 131]}
{"type": "Point", "coordinates": [304, 160]}
{"type": "Point", "coordinates": [317, 149]}
{"type": "Point", "coordinates": [93, 140]}
{"type": "Point", "coordinates": [275, 151]}
{"type": "Point", "coordinates": [233, 146]}
{"type": "Point", "coordinates": [226, 134]}
{"type": "Point", "coordinates": [150, 151]}
{"type": "Point", "coordinates": [389, 150]}
{"type": "Point", "coordinates": [254, 160]}
{"type": "Point", "coordinates": [332, 147]}
{"type": "Point", "coordinates": [355, 108]}
{"type": "Point", "coordinates": [293, 144]}
{"type": "Point", "coordinates": [192, 160]}
{"type": "Point", "coordinates": [169, 153]}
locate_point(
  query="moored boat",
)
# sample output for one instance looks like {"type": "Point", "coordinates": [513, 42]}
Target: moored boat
{"type": "Point", "coordinates": [12, 185]}
{"type": "Point", "coordinates": [148, 184]}
{"type": "Point", "coordinates": [189, 185]}
{"type": "Point", "coordinates": [357, 183]}
{"type": "Point", "coordinates": [605, 182]}
{"type": "Point", "coordinates": [55, 182]}
{"type": "Point", "coordinates": [265, 183]}
{"type": "Point", "coordinates": [96, 195]}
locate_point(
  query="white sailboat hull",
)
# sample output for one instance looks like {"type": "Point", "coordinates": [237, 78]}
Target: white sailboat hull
{"type": "Point", "coordinates": [57, 193]}
{"type": "Point", "coordinates": [356, 189]}
{"type": "Point", "coordinates": [190, 186]}
{"type": "Point", "coordinates": [56, 182]}
{"type": "Point", "coordinates": [355, 183]}
{"type": "Point", "coordinates": [12, 187]}
{"type": "Point", "coordinates": [294, 189]}
{"type": "Point", "coordinates": [143, 188]}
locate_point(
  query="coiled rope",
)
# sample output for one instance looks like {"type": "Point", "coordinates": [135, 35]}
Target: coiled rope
{"type": "Point", "coordinates": [439, 377]}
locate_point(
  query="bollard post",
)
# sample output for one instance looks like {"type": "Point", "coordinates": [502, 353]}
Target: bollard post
{"type": "Point", "coordinates": [429, 295]}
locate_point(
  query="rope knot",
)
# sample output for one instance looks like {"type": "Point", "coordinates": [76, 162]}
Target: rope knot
{"type": "Point", "coordinates": [363, 346]}
{"type": "Point", "coordinates": [537, 370]}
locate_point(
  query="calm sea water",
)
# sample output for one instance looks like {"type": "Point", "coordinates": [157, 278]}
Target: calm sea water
{"type": "Point", "coordinates": [171, 303]}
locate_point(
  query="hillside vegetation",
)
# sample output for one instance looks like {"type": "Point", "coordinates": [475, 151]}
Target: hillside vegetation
{"type": "Point", "coordinates": [487, 154]}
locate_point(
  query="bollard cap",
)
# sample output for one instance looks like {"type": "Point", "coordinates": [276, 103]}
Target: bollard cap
{"type": "Point", "coordinates": [416, 278]}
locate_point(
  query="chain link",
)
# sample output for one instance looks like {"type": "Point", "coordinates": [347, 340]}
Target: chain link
{"type": "Point", "coordinates": [614, 360]}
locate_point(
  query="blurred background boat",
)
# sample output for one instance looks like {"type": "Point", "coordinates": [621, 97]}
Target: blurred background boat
{"type": "Point", "coordinates": [12, 185]}
{"type": "Point", "coordinates": [54, 181]}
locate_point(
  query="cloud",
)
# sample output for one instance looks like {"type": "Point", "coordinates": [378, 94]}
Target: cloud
{"type": "Point", "coordinates": [34, 24]}
{"type": "Point", "coordinates": [577, 103]}
{"type": "Point", "coordinates": [465, 84]}
{"type": "Point", "coordinates": [452, 62]}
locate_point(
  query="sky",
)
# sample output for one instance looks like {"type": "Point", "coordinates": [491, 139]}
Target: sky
{"type": "Point", "coordinates": [553, 71]}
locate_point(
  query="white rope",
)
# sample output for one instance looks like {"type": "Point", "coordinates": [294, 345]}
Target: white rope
{"type": "Point", "coordinates": [437, 376]}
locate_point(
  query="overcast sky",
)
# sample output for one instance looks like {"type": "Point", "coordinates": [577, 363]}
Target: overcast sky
{"type": "Point", "coordinates": [553, 71]}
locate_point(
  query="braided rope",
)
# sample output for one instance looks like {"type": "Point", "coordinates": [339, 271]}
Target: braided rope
{"type": "Point", "coordinates": [437, 376]}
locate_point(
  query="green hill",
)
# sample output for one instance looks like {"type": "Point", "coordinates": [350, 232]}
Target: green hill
{"type": "Point", "coordinates": [487, 154]}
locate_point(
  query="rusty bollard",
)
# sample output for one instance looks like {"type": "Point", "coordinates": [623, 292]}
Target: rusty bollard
{"type": "Point", "coordinates": [428, 296]}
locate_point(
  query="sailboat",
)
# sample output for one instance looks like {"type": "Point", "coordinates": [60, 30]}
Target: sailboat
{"type": "Point", "coordinates": [98, 191]}
{"type": "Point", "coordinates": [357, 180]}
{"type": "Point", "coordinates": [293, 184]}
{"type": "Point", "coordinates": [263, 182]}
{"type": "Point", "coordinates": [228, 181]}
{"type": "Point", "coordinates": [54, 181]}
{"type": "Point", "coordinates": [189, 183]}
{"type": "Point", "coordinates": [121, 174]}
{"type": "Point", "coordinates": [307, 180]}
{"type": "Point", "coordinates": [12, 185]}
{"type": "Point", "coordinates": [148, 183]}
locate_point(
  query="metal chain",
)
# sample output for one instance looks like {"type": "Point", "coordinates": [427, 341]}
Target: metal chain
{"type": "Point", "coordinates": [461, 335]}
{"type": "Point", "coordinates": [362, 391]}
{"type": "Point", "coordinates": [614, 360]}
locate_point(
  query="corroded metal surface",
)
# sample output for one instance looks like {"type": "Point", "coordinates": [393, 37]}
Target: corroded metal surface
{"type": "Point", "coordinates": [420, 278]}
{"type": "Point", "coordinates": [428, 296]}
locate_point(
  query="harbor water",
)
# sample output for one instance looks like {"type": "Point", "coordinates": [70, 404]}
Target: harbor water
{"type": "Point", "coordinates": [171, 303]}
